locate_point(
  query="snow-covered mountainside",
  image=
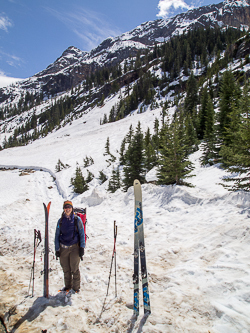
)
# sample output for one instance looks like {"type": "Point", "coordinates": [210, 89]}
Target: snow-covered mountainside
{"type": "Point", "coordinates": [75, 65]}
{"type": "Point", "coordinates": [197, 241]}
{"type": "Point", "coordinates": [66, 77]}
{"type": "Point", "coordinates": [197, 238]}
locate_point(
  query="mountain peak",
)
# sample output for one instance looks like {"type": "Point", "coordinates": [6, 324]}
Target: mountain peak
{"type": "Point", "coordinates": [73, 51]}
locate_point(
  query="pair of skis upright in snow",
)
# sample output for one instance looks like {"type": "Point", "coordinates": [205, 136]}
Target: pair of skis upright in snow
{"type": "Point", "coordinates": [139, 251]}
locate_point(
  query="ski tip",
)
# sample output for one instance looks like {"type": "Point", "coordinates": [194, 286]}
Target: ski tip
{"type": "Point", "coordinates": [47, 206]}
{"type": "Point", "coordinates": [130, 306]}
{"type": "Point", "coordinates": [136, 182]}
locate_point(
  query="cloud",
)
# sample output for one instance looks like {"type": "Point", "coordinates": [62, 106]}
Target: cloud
{"type": "Point", "coordinates": [11, 59]}
{"type": "Point", "coordinates": [91, 27]}
{"type": "Point", "coordinates": [5, 22]}
{"type": "Point", "coordinates": [167, 7]}
{"type": "Point", "coordinates": [7, 80]}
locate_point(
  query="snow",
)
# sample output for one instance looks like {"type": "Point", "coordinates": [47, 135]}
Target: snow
{"type": "Point", "coordinates": [6, 80]}
{"type": "Point", "coordinates": [233, 3]}
{"type": "Point", "coordinates": [143, 34]}
{"type": "Point", "coordinates": [197, 240]}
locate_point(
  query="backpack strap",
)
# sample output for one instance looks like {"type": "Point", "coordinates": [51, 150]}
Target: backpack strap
{"type": "Point", "coordinates": [76, 227]}
{"type": "Point", "coordinates": [60, 224]}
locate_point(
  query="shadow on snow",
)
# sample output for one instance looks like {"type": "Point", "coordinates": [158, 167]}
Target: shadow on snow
{"type": "Point", "coordinates": [40, 305]}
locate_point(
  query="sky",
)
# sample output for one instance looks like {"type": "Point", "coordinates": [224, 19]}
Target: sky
{"type": "Point", "coordinates": [33, 34]}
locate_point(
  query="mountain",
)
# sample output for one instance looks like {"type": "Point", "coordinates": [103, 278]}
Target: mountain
{"type": "Point", "coordinates": [74, 65]}
{"type": "Point", "coordinates": [197, 237]}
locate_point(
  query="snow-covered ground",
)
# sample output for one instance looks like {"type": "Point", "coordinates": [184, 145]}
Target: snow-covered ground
{"type": "Point", "coordinates": [197, 241]}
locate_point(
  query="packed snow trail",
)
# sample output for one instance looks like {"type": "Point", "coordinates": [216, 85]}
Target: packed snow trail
{"type": "Point", "coordinates": [38, 168]}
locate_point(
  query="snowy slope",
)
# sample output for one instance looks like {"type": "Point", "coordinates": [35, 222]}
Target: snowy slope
{"type": "Point", "coordinates": [197, 241]}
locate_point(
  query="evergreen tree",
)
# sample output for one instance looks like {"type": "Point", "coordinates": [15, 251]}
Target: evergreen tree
{"type": "Point", "coordinates": [174, 165]}
{"type": "Point", "coordinates": [105, 119]}
{"type": "Point", "coordinates": [60, 166]}
{"type": "Point", "coordinates": [231, 134]}
{"type": "Point", "coordinates": [209, 119]}
{"type": "Point", "coordinates": [78, 182]}
{"type": "Point", "coordinates": [155, 137]}
{"type": "Point", "coordinates": [112, 158]}
{"type": "Point", "coordinates": [210, 154]}
{"type": "Point", "coordinates": [115, 181]}
{"type": "Point", "coordinates": [112, 114]}
{"type": "Point", "coordinates": [107, 147]}
{"type": "Point", "coordinates": [188, 59]}
{"type": "Point", "coordinates": [228, 104]}
{"type": "Point", "coordinates": [202, 113]}
{"type": "Point", "coordinates": [90, 176]}
{"type": "Point", "coordinates": [102, 177]}
{"type": "Point", "coordinates": [134, 167]}
{"type": "Point", "coordinates": [164, 113]}
{"type": "Point", "coordinates": [130, 134]}
{"type": "Point", "coordinates": [88, 161]}
{"type": "Point", "coordinates": [150, 155]}
{"type": "Point", "coordinates": [236, 155]}
{"type": "Point", "coordinates": [102, 100]}
{"type": "Point", "coordinates": [122, 159]}
{"type": "Point", "coordinates": [191, 99]}
{"type": "Point", "coordinates": [190, 135]}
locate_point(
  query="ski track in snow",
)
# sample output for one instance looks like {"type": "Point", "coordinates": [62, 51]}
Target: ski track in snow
{"type": "Point", "coordinates": [197, 243]}
{"type": "Point", "coordinates": [37, 168]}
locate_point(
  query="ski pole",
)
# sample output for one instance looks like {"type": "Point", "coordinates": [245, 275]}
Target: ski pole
{"type": "Point", "coordinates": [37, 241]}
{"type": "Point", "coordinates": [115, 235]}
{"type": "Point", "coordinates": [110, 271]}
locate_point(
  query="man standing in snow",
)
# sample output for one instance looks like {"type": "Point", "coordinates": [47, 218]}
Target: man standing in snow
{"type": "Point", "coordinates": [69, 246]}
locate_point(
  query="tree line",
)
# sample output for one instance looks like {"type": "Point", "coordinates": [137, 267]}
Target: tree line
{"type": "Point", "coordinates": [179, 56]}
{"type": "Point", "coordinates": [223, 133]}
{"type": "Point", "coordinates": [224, 136]}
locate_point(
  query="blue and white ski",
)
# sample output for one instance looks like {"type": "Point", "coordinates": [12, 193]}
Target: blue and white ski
{"type": "Point", "coordinates": [139, 250]}
{"type": "Point", "coordinates": [136, 267]}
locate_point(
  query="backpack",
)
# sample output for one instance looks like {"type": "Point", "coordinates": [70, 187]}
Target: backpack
{"type": "Point", "coordinates": [81, 212]}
